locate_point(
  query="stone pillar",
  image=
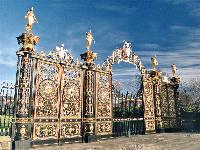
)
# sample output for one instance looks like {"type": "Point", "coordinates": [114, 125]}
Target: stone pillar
{"type": "Point", "coordinates": [23, 121]}
{"type": "Point", "coordinates": [157, 84]}
{"type": "Point", "coordinates": [89, 97]}
{"type": "Point", "coordinates": [149, 113]}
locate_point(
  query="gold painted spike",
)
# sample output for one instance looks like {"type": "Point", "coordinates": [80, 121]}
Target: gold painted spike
{"type": "Point", "coordinates": [77, 76]}
{"type": "Point", "coordinates": [98, 67]}
{"type": "Point", "coordinates": [77, 62]}
{"type": "Point", "coordinates": [42, 54]}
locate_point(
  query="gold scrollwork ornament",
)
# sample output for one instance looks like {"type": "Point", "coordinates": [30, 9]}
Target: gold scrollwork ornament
{"type": "Point", "coordinates": [22, 130]}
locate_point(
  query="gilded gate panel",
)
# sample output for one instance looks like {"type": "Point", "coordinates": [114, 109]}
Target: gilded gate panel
{"type": "Point", "coordinates": [70, 129]}
{"type": "Point", "coordinates": [71, 102]}
{"type": "Point", "coordinates": [164, 107]}
{"type": "Point", "coordinates": [168, 107]}
{"type": "Point", "coordinates": [157, 100]}
{"type": "Point", "coordinates": [47, 100]}
{"type": "Point", "coordinates": [103, 103]}
{"type": "Point", "coordinates": [104, 96]}
{"type": "Point", "coordinates": [172, 110]}
{"type": "Point", "coordinates": [104, 127]}
{"type": "Point", "coordinates": [45, 130]}
{"type": "Point", "coordinates": [58, 97]}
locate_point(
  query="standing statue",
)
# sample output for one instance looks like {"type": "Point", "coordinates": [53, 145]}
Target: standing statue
{"type": "Point", "coordinates": [89, 39]}
{"type": "Point", "coordinates": [126, 50]}
{"type": "Point", "coordinates": [174, 70]}
{"type": "Point", "coordinates": [154, 62]}
{"type": "Point", "coordinates": [30, 19]}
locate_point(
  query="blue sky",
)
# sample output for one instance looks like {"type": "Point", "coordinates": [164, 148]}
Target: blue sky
{"type": "Point", "coordinates": [168, 28]}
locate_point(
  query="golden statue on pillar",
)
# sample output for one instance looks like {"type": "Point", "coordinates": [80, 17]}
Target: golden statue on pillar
{"type": "Point", "coordinates": [154, 62]}
{"type": "Point", "coordinates": [28, 39]}
{"type": "Point", "coordinates": [174, 70]}
{"type": "Point", "coordinates": [89, 55]}
{"type": "Point", "coordinates": [30, 19]}
{"type": "Point", "coordinates": [89, 39]}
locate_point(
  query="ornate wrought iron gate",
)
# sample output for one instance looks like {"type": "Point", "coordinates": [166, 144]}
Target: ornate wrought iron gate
{"type": "Point", "coordinates": [58, 100]}
{"type": "Point", "coordinates": [62, 101]}
{"type": "Point", "coordinates": [71, 102]}
{"type": "Point", "coordinates": [104, 104]}
{"type": "Point", "coordinates": [169, 105]}
{"type": "Point", "coordinates": [128, 114]}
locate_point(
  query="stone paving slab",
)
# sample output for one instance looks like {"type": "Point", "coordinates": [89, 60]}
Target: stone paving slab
{"type": "Point", "coordinates": [164, 141]}
{"type": "Point", "coordinates": [5, 143]}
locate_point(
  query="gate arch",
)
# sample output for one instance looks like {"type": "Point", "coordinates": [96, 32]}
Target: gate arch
{"type": "Point", "coordinates": [145, 92]}
{"type": "Point", "coordinates": [124, 54]}
{"type": "Point", "coordinates": [127, 118]}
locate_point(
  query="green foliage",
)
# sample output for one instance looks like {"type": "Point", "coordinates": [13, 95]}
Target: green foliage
{"type": "Point", "coordinates": [5, 121]}
{"type": "Point", "coordinates": [129, 112]}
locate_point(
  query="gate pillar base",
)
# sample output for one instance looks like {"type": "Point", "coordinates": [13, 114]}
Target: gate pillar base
{"type": "Point", "coordinates": [22, 144]}
{"type": "Point", "coordinates": [90, 138]}
{"type": "Point", "coordinates": [22, 133]}
{"type": "Point", "coordinates": [150, 132]}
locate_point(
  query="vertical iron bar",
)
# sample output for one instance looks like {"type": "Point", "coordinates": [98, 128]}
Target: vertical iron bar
{"type": "Point", "coordinates": [118, 114]}
{"type": "Point", "coordinates": [1, 113]}
{"type": "Point", "coordinates": [126, 112]}
{"type": "Point", "coordinates": [122, 124]}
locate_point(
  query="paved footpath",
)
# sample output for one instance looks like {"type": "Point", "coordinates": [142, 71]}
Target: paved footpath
{"type": "Point", "coordinates": [164, 141]}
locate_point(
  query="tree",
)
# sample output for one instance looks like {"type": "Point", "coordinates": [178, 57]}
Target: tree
{"type": "Point", "coordinates": [132, 85]}
{"type": "Point", "coordinates": [189, 95]}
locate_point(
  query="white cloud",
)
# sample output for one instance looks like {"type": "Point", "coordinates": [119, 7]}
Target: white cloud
{"type": "Point", "coordinates": [192, 5]}
{"type": "Point", "coordinates": [8, 60]}
{"type": "Point", "coordinates": [118, 8]}
{"type": "Point", "coordinates": [176, 2]}
{"type": "Point", "coordinates": [124, 72]}
{"type": "Point", "coordinates": [8, 54]}
{"type": "Point", "coordinates": [183, 57]}
{"type": "Point", "coordinates": [183, 50]}
{"type": "Point", "coordinates": [149, 45]}
{"type": "Point", "coordinates": [179, 27]}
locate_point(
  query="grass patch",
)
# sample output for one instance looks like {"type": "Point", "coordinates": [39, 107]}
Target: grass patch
{"type": "Point", "coordinates": [5, 121]}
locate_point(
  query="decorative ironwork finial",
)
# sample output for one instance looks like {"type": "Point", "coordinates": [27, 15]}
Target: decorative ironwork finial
{"type": "Point", "coordinates": [154, 62]}
{"type": "Point", "coordinates": [89, 56]}
{"type": "Point", "coordinates": [89, 39]}
{"type": "Point", "coordinates": [174, 69]}
{"type": "Point", "coordinates": [30, 19]}
{"type": "Point", "coordinates": [28, 41]}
